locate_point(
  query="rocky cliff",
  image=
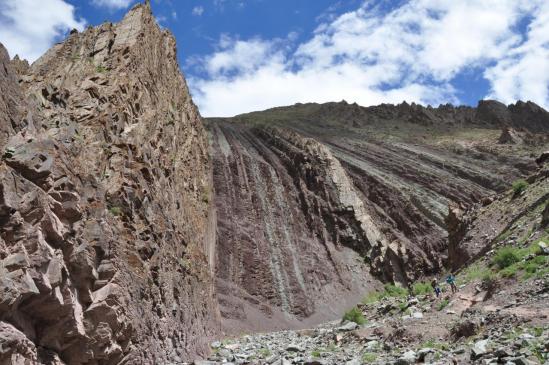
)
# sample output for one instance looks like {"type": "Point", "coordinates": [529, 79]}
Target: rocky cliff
{"type": "Point", "coordinates": [107, 232]}
{"type": "Point", "coordinates": [318, 203]}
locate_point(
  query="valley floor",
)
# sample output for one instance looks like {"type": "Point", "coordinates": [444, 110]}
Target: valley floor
{"type": "Point", "coordinates": [504, 321]}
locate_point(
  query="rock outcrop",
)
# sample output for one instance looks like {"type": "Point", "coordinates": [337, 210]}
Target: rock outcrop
{"type": "Point", "coordinates": [299, 188]}
{"type": "Point", "coordinates": [508, 219]}
{"type": "Point", "coordinates": [106, 232]}
{"type": "Point", "coordinates": [288, 217]}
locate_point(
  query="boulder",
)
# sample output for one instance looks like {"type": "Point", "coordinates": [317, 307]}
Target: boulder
{"type": "Point", "coordinates": [480, 348]}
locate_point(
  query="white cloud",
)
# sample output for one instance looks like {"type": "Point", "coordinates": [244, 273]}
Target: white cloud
{"type": "Point", "coordinates": [523, 73]}
{"type": "Point", "coordinates": [113, 4]}
{"type": "Point", "coordinates": [372, 55]}
{"type": "Point", "coordinates": [28, 31]}
{"type": "Point", "coordinates": [198, 10]}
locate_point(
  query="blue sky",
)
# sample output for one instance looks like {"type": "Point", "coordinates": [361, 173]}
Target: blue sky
{"type": "Point", "coordinates": [244, 55]}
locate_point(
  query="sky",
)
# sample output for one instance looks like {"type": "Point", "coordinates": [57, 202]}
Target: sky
{"type": "Point", "coordinates": [244, 55]}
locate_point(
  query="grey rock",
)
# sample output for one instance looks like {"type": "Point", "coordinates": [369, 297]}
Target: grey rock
{"type": "Point", "coordinates": [423, 352]}
{"type": "Point", "coordinates": [355, 361]}
{"type": "Point", "coordinates": [294, 348]}
{"type": "Point", "coordinates": [348, 326]}
{"type": "Point", "coordinates": [480, 348]}
{"type": "Point", "coordinates": [16, 261]}
{"type": "Point", "coordinates": [407, 358]}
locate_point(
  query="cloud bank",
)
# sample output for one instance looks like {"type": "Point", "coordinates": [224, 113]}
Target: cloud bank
{"type": "Point", "coordinates": [28, 31]}
{"type": "Point", "coordinates": [372, 55]}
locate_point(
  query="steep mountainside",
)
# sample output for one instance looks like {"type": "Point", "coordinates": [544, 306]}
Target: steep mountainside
{"type": "Point", "coordinates": [306, 195]}
{"type": "Point", "coordinates": [106, 234]}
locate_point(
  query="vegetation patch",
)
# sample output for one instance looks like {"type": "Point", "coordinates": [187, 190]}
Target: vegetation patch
{"type": "Point", "coordinates": [116, 211]}
{"type": "Point", "coordinates": [510, 261]}
{"type": "Point", "coordinates": [368, 357]}
{"type": "Point", "coordinates": [264, 353]}
{"type": "Point", "coordinates": [421, 288]}
{"type": "Point", "coordinates": [354, 315]}
{"type": "Point", "coordinates": [101, 69]}
{"type": "Point", "coordinates": [389, 291]}
{"type": "Point", "coordinates": [519, 186]}
{"type": "Point", "coordinates": [476, 271]}
{"type": "Point", "coordinates": [432, 344]}
{"type": "Point", "coordinates": [443, 304]}
{"type": "Point", "coordinates": [506, 256]}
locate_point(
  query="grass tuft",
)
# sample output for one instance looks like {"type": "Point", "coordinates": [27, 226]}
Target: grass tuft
{"type": "Point", "coordinates": [368, 357]}
{"type": "Point", "coordinates": [443, 304]}
{"type": "Point", "coordinates": [354, 315]}
{"type": "Point", "coordinates": [506, 256]}
{"type": "Point", "coordinates": [421, 288]}
{"type": "Point", "coordinates": [519, 186]}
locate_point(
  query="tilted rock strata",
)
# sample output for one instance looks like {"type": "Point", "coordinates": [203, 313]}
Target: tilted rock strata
{"type": "Point", "coordinates": [106, 226]}
{"type": "Point", "coordinates": [285, 222]}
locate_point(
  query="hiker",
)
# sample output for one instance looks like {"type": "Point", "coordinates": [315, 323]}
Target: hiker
{"type": "Point", "coordinates": [451, 280]}
{"type": "Point", "coordinates": [435, 286]}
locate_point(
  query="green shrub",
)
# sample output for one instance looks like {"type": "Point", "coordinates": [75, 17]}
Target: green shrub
{"type": "Point", "coordinates": [100, 69]}
{"type": "Point", "coordinates": [506, 256]}
{"type": "Point", "coordinates": [373, 297]}
{"type": "Point", "coordinates": [538, 331]}
{"type": "Point", "coordinates": [488, 278]}
{"type": "Point", "coordinates": [368, 357]}
{"type": "Point", "coordinates": [115, 211]}
{"type": "Point", "coordinates": [475, 271]}
{"type": "Point", "coordinates": [354, 315]}
{"type": "Point", "coordinates": [432, 344]}
{"type": "Point", "coordinates": [421, 288]}
{"type": "Point", "coordinates": [443, 304]}
{"type": "Point", "coordinates": [519, 186]}
{"type": "Point", "coordinates": [316, 353]}
{"type": "Point", "coordinates": [389, 290]}
{"type": "Point", "coordinates": [509, 271]}
{"type": "Point", "coordinates": [395, 291]}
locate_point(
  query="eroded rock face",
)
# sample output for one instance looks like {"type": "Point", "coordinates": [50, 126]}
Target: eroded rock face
{"type": "Point", "coordinates": [287, 218]}
{"type": "Point", "coordinates": [106, 234]}
{"type": "Point", "coordinates": [299, 188]}
{"type": "Point", "coordinates": [11, 99]}
{"type": "Point", "coordinates": [508, 218]}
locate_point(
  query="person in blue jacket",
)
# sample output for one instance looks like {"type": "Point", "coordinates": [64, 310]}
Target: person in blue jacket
{"type": "Point", "coordinates": [451, 280]}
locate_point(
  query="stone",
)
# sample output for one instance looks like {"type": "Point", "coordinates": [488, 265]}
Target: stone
{"type": "Point", "coordinates": [348, 326]}
{"type": "Point", "coordinates": [355, 361]}
{"type": "Point", "coordinates": [407, 358]}
{"type": "Point", "coordinates": [422, 353]}
{"type": "Point", "coordinates": [371, 345]}
{"type": "Point", "coordinates": [480, 348]}
{"type": "Point", "coordinates": [294, 348]}
{"type": "Point", "coordinates": [215, 344]}
{"type": "Point", "coordinates": [519, 360]}
{"type": "Point", "coordinates": [16, 261]}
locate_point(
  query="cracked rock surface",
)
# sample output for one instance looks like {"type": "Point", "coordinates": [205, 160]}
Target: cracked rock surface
{"type": "Point", "coordinates": [106, 232]}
